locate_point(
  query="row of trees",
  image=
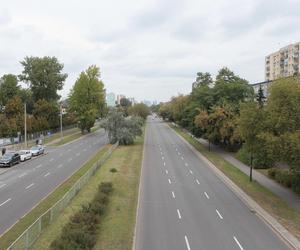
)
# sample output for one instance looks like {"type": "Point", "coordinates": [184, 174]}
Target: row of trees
{"type": "Point", "coordinates": [43, 78]}
{"type": "Point", "coordinates": [226, 111]}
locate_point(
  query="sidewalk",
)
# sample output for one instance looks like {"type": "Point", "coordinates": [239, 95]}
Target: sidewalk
{"type": "Point", "coordinates": [284, 193]}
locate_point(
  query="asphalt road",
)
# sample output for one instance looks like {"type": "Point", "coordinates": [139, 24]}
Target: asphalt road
{"type": "Point", "coordinates": [183, 205]}
{"type": "Point", "coordinates": [24, 185]}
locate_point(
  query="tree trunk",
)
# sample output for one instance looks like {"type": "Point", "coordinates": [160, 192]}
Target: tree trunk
{"type": "Point", "coordinates": [251, 165]}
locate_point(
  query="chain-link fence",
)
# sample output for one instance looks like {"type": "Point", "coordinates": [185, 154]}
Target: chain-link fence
{"type": "Point", "coordinates": [30, 235]}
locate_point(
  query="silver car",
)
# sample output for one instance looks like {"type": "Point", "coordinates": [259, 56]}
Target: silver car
{"type": "Point", "coordinates": [37, 150]}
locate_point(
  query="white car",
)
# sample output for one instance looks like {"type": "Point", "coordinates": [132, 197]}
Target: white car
{"type": "Point", "coordinates": [25, 155]}
{"type": "Point", "coordinates": [37, 150]}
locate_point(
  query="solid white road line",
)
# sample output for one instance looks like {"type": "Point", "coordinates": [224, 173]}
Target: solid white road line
{"type": "Point", "coordinates": [206, 195]}
{"type": "Point", "coordinates": [60, 165]}
{"type": "Point", "coordinates": [238, 243]}
{"type": "Point", "coordinates": [167, 171]}
{"type": "Point", "coordinates": [187, 243]}
{"type": "Point", "coordinates": [221, 217]}
{"type": "Point", "coordinates": [2, 185]}
{"type": "Point", "coordinates": [169, 181]}
{"type": "Point", "coordinates": [191, 171]}
{"type": "Point", "coordinates": [39, 166]}
{"type": "Point", "coordinates": [178, 213]}
{"type": "Point", "coordinates": [198, 182]}
{"type": "Point", "coordinates": [5, 202]}
{"type": "Point", "coordinates": [22, 175]}
{"type": "Point", "coordinates": [173, 194]}
{"type": "Point", "coordinates": [29, 186]}
{"type": "Point", "coordinates": [46, 174]}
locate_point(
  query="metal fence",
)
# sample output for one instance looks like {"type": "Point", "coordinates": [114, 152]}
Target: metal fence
{"type": "Point", "coordinates": [30, 235]}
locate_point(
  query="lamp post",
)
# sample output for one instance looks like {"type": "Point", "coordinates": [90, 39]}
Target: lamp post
{"type": "Point", "coordinates": [25, 125]}
{"type": "Point", "coordinates": [61, 131]}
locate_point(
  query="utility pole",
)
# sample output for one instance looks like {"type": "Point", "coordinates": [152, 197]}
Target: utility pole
{"type": "Point", "coordinates": [25, 125]}
{"type": "Point", "coordinates": [61, 131]}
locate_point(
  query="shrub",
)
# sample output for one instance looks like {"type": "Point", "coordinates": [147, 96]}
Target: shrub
{"type": "Point", "coordinates": [80, 232]}
{"type": "Point", "coordinates": [272, 173]}
{"type": "Point", "coordinates": [260, 158]}
{"type": "Point", "coordinates": [113, 170]}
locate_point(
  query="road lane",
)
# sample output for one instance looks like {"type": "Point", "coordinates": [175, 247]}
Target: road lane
{"type": "Point", "coordinates": [27, 183]}
{"type": "Point", "coordinates": [190, 208]}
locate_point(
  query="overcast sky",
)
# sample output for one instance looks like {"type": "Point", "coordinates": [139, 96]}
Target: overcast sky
{"type": "Point", "coordinates": [148, 49]}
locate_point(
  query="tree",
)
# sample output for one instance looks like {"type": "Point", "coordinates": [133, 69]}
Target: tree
{"type": "Point", "coordinates": [124, 102]}
{"type": "Point", "coordinates": [8, 88]}
{"type": "Point", "coordinates": [14, 112]}
{"type": "Point", "coordinates": [203, 79]}
{"type": "Point", "coordinates": [121, 129]}
{"type": "Point", "coordinates": [260, 97]}
{"type": "Point", "coordinates": [44, 76]}
{"type": "Point", "coordinates": [87, 98]}
{"type": "Point", "coordinates": [46, 111]}
{"type": "Point", "coordinates": [250, 126]}
{"type": "Point", "coordinates": [139, 109]}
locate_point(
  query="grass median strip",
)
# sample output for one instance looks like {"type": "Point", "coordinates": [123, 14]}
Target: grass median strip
{"type": "Point", "coordinates": [49, 201]}
{"type": "Point", "coordinates": [279, 209]}
{"type": "Point", "coordinates": [116, 229]}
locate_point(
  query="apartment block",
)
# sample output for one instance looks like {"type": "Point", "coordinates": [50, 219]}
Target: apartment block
{"type": "Point", "coordinates": [283, 63]}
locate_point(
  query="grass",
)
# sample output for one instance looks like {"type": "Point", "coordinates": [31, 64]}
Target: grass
{"type": "Point", "coordinates": [45, 204]}
{"type": "Point", "coordinates": [73, 136]}
{"type": "Point", "coordinates": [117, 226]}
{"type": "Point", "coordinates": [286, 215]}
{"type": "Point", "coordinates": [67, 139]}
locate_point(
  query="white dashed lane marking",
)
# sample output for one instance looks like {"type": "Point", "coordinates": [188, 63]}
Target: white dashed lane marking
{"type": "Point", "coordinates": [29, 186]}
{"type": "Point", "coordinates": [5, 202]}
{"type": "Point", "coordinates": [206, 195]}
{"type": "Point", "coordinates": [238, 243]}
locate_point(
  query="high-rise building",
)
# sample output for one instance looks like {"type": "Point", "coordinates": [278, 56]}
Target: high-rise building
{"type": "Point", "coordinates": [119, 97]}
{"type": "Point", "coordinates": [283, 63]}
{"type": "Point", "coordinates": [111, 99]}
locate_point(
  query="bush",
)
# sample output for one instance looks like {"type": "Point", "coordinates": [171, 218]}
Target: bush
{"type": "Point", "coordinates": [113, 170]}
{"type": "Point", "coordinates": [272, 173]}
{"type": "Point", "coordinates": [80, 232]}
{"type": "Point", "coordinates": [261, 159]}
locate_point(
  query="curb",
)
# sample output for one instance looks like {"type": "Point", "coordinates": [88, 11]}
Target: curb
{"type": "Point", "coordinates": [269, 220]}
{"type": "Point", "coordinates": [138, 202]}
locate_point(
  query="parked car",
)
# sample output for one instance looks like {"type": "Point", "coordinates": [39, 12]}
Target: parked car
{"type": "Point", "coordinates": [10, 159]}
{"type": "Point", "coordinates": [37, 150]}
{"type": "Point", "coordinates": [25, 155]}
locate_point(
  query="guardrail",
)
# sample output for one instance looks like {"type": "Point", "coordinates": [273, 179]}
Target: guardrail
{"type": "Point", "coordinates": [30, 235]}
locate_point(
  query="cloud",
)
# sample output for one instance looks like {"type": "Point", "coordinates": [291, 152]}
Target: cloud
{"type": "Point", "coordinates": [149, 49]}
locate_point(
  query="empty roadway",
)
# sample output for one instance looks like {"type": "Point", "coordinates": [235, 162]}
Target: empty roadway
{"type": "Point", "coordinates": [183, 205]}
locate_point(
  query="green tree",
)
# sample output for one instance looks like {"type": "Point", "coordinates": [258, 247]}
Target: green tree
{"type": "Point", "coordinates": [260, 97]}
{"type": "Point", "coordinates": [250, 126]}
{"type": "Point", "coordinates": [139, 109]}
{"type": "Point", "coordinates": [14, 112]}
{"type": "Point", "coordinates": [44, 76]}
{"type": "Point", "coordinates": [203, 79]}
{"type": "Point", "coordinates": [87, 97]}
{"type": "Point", "coordinates": [122, 129]}
{"type": "Point", "coordinates": [8, 88]}
{"type": "Point", "coordinates": [46, 111]}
